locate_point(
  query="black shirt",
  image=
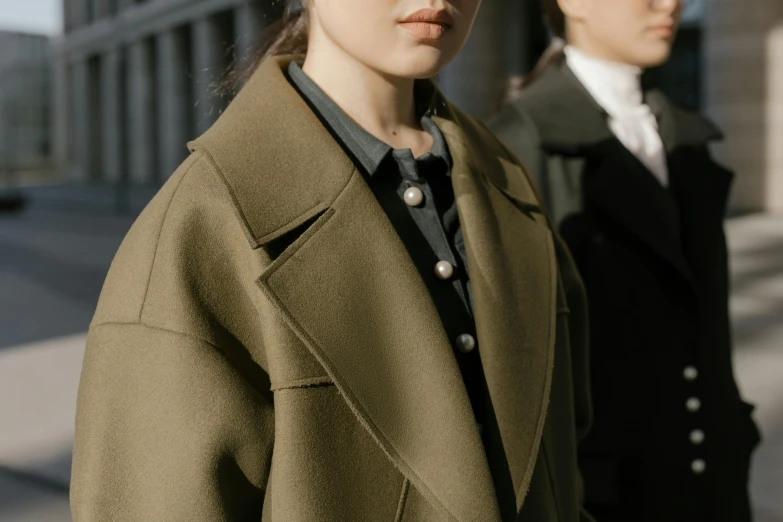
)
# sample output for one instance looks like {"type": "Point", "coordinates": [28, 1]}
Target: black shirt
{"type": "Point", "coordinates": [430, 230]}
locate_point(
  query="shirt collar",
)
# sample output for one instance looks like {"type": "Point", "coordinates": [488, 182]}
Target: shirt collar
{"type": "Point", "coordinates": [615, 86]}
{"type": "Point", "coordinates": [369, 151]}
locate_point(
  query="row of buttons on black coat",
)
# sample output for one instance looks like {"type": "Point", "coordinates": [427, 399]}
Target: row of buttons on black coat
{"type": "Point", "coordinates": [693, 405]}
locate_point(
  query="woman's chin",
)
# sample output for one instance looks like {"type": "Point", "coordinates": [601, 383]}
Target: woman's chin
{"type": "Point", "coordinates": [653, 56]}
{"type": "Point", "coordinates": [422, 62]}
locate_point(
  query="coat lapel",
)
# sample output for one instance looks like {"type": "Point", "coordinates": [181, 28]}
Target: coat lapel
{"type": "Point", "coordinates": [348, 289]}
{"type": "Point", "coordinates": [616, 184]}
{"type": "Point", "coordinates": [513, 274]}
{"type": "Point", "coordinates": [352, 294]}
{"type": "Point", "coordinates": [621, 188]}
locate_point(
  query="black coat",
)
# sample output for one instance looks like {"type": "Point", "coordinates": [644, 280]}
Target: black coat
{"type": "Point", "coordinates": [654, 262]}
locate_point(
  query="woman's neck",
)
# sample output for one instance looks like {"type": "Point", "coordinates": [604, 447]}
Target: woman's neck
{"type": "Point", "coordinates": [383, 105]}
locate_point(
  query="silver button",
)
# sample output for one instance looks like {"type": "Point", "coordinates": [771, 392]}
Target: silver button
{"type": "Point", "coordinates": [690, 373]}
{"type": "Point", "coordinates": [413, 196]}
{"type": "Point", "coordinates": [697, 437]}
{"type": "Point", "coordinates": [693, 404]}
{"type": "Point", "coordinates": [698, 466]}
{"type": "Point", "coordinates": [466, 343]}
{"type": "Point", "coordinates": [444, 270]}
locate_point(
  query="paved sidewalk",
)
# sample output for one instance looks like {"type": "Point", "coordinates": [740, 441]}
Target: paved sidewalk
{"type": "Point", "coordinates": [756, 244]}
{"type": "Point", "coordinates": [53, 259]}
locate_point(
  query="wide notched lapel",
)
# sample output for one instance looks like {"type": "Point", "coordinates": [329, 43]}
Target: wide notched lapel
{"type": "Point", "coordinates": [621, 188]}
{"type": "Point", "coordinates": [348, 289]}
{"type": "Point", "coordinates": [352, 294]}
{"type": "Point", "coordinates": [513, 274]}
{"type": "Point", "coordinates": [615, 182]}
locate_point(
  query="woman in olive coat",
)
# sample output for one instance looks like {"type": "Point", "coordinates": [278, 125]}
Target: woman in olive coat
{"type": "Point", "coordinates": [327, 313]}
{"type": "Point", "coordinates": [640, 202]}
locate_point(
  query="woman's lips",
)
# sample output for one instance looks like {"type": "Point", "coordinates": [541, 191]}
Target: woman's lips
{"type": "Point", "coordinates": [425, 30]}
{"type": "Point", "coordinates": [428, 24]}
{"type": "Point", "coordinates": [663, 30]}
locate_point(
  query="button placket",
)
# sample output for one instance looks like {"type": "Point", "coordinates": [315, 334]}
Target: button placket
{"type": "Point", "coordinates": [447, 253]}
{"type": "Point", "coordinates": [444, 251]}
{"type": "Point", "coordinates": [428, 211]}
{"type": "Point", "coordinates": [693, 404]}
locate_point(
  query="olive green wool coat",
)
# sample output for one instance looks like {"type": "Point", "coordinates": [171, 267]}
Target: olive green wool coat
{"type": "Point", "coordinates": [264, 348]}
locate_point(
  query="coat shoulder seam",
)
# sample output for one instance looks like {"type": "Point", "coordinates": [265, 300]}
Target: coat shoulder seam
{"type": "Point", "coordinates": [194, 161]}
{"type": "Point", "coordinates": [156, 328]}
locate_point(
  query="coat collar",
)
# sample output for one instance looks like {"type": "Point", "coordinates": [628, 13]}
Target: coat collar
{"type": "Point", "coordinates": [571, 122]}
{"type": "Point", "coordinates": [360, 307]}
{"type": "Point", "coordinates": [570, 119]}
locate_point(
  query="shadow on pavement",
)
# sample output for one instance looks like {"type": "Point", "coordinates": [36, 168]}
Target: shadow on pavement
{"type": "Point", "coordinates": [25, 497]}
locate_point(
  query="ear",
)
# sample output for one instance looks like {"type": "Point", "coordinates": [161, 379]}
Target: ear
{"type": "Point", "coordinates": [573, 9]}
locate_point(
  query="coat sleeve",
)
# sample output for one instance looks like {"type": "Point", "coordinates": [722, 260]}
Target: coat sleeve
{"type": "Point", "coordinates": [167, 429]}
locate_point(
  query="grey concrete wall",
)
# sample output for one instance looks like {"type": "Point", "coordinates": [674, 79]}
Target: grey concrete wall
{"type": "Point", "coordinates": [174, 100]}
{"type": "Point", "coordinates": [25, 101]}
{"type": "Point", "coordinates": [249, 21]}
{"type": "Point", "coordinates": [80, 120]}
{"type": "Point", "coordinates": [743, 75]}
{"type": "Point", "coordinates": [60, 138]}
{"type": "Point", "coordinates": [209, 59]}
{"type": "Point", "coordinates": [474, 80]}
{"type": "Point", "coordinates": [142, 163]}
{"type": "Point", "coordinates": [112, 121]}
{"type": "Point", "coordinates": [152, 143]}
{"type": "Point", "coordinates": [101, 8]}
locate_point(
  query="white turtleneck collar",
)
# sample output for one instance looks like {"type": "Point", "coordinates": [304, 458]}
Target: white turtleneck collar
{"type": "Point", "coordinates": [617, 88]}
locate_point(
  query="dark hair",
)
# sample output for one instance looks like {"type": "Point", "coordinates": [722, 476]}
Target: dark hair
{"type": "Point", "coordinates": [554, 16]}
{"type": "Point", "coordinates": [287, 35]}
{"type": "Point", "coordinates": [555, 20]}
{"type": "Point", "coordinates": [516, 84]}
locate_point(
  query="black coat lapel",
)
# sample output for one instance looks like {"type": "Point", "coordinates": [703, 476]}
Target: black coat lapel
{"type": "Point", "coordinates": [619, 187]}
{"type": "Point", "coordinates": [571, 123]}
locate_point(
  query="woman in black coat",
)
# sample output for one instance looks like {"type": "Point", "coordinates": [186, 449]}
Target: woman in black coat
{"type": "Point", "coordinates": [636, 195]}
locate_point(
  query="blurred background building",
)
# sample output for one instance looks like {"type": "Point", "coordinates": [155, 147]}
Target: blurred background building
{"type": "Point", "coordinates": [25, 108]}
{"type": "Point", "coordinates": [135, 81]}
{"type": "Point", "coordinates": [743, 89]}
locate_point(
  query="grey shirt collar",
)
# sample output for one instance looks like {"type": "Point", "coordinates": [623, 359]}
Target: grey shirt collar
{"type": "Point", "coordinates": [368, 150]}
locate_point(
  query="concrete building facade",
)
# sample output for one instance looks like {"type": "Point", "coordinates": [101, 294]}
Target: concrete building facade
{"type": "Point", "coordinates": [136, 79]}
{"type": "Point", "coordinates": [743, 70]}
{"type": "Point", "coordinates": [25, 110]}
